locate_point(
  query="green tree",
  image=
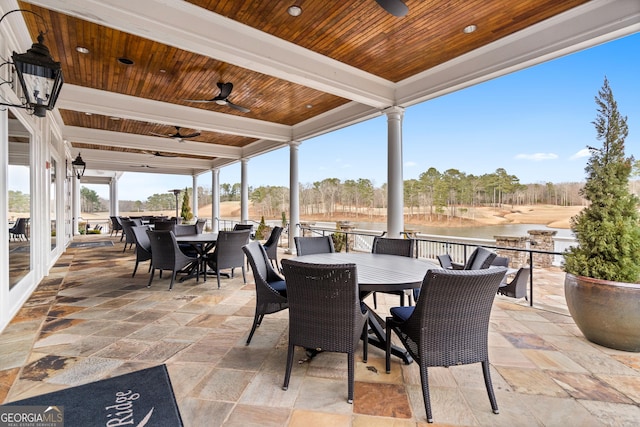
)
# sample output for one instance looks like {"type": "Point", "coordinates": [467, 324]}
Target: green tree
{"type": "Point", "coordinates": [90, 201]}
{"type": "Point", "coordinates": [262, 229]}
{"type": "Point", "coordinates": [608, 230]}
{"type": "Point", "coordinates": [185, 212]}
{"type": "Point", "coordinates": [161, 202]}
{"type": "Point", "coordinates": [19, 202]}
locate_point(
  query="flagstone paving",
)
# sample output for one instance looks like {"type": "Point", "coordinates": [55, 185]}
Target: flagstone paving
{"type": "Point", "coordinates": [89, 320]}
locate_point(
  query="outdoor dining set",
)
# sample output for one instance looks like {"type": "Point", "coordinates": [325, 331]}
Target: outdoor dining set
{"type": "Point", "coordinates": [444, 323]}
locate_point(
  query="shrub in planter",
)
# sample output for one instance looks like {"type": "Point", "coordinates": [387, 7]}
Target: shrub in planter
{"type": "Point", "coordinates": [603, 270]}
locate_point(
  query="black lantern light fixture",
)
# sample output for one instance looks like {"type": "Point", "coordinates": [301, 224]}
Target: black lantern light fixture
{"type": "Point", "coordinates": [78, 166]}
{"type": "Point", "coordinates": [39, 75]}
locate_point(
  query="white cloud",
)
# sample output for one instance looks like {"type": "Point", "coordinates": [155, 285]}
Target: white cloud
{"type": "Point", "coordinates": [410, 164]}
{"type": "Point", "coordinates": [536, 157]}
{"type": "Point", "coordinates": [580, 154]}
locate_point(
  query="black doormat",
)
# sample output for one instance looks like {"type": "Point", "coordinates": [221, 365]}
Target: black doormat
{"type": "Point", "coordinates": [95, 244]}
{"type": "Point", "coordinates": [141, 398]}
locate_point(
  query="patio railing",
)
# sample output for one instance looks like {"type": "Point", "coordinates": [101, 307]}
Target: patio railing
{"type": "Point", "coordinates": [430, 246]}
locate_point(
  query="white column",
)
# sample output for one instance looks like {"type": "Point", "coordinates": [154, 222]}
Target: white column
{"type": "Point", "coordinates": [75, 203]}
{"type": "Point", "coordinates": [244, 192]}
{"type": "Point", "coordinates": [194, 196]}
{"type": "Point", "coordinates": [113, 197]}
{"type": "Point", "coordinates": [215, 200]}
{"type": "Point", "coordinates": [5, 306]}
{"type": "Point", "coordinates": [294, 194]}
{"type": "Point", "coordinates": [395, 183]}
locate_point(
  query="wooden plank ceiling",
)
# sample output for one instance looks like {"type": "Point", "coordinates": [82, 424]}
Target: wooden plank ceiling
{"type": "Point", "coordinates": [354, 37]}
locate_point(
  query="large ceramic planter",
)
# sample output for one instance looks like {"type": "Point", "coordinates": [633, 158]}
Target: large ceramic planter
{"type": "Point", "coordinates": [607, 313]}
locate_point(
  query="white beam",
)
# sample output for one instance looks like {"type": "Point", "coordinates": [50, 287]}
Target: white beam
{"type": "Point", "coordinates": [149, 143]}
{"type": "Point", "coordinates": [96, 101]}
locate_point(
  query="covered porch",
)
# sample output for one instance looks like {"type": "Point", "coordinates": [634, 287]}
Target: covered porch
{"type": "Point", "coordinates": [89, 320]}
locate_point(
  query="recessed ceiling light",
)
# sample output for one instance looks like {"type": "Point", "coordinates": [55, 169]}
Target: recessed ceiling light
{"type": "Point", "coordinates": [114, 118]}
{"type": "Point", "coordinates": [88, 114]}
{"type": "Point", "coordinates": [309, 106]}
{"type": "Point", "coordinates": [294, 10]}
{"type": "Point", "coordinates": [469, 29]}
{"type": "Point", "coordinates": [125, 61]}
{"type": "Point", "coordinates": [163, 71]}
{"type": "Point", "coordinates": [82, 49]}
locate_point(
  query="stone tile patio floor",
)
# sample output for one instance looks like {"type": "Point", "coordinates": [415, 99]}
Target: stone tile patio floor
{"type": "Point", "coordinates": [90, 320]}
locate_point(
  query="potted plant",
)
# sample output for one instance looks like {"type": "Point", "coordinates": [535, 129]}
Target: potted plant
{"type": "Point", "coordinates": [603, 271]}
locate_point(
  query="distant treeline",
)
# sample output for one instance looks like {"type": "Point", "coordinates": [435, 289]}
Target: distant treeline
{"type": "Point", "coordinates": [450, 193]}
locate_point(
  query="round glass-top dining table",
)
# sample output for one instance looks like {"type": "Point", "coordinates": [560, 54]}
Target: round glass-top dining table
{"type": "Point", "coordinates": [378, 272]}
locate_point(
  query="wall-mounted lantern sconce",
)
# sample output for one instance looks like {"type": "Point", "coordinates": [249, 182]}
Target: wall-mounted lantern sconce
{"type": "Point", "coordinates": [78, 166]}
{"type": "Point", "coordinates": [39, 75]}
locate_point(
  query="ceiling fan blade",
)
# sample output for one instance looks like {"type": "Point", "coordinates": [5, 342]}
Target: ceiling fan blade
{"type": "Point", "coordinates": [191, 135]}
{"type": "Point", "coordinates": [238, 107]}
{"type": "Point", "coordinates": [225, 90]}
{"type": "Point", "coordinates": [158, 154]}
{"type": "Point", "coordinates": [394, 7]}
{"type": "Point", "coordinates": [162, 135]}
{"type": "Point", "coordinates": [201, 100]}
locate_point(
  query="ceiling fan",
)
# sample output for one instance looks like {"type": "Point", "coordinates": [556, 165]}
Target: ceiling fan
{"type": "Point", "coordinates": [223, 97]}
{"type": "Point", "coordinates": [180, 137]}
{"type": "Point", "coordinates": [159, 154]}
{"type": "Point", "coordinates": [394, 7]}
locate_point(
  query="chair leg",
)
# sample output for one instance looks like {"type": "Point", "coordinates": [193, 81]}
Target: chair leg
{"type": "Point", "coordinates": [135, 269]}
{"type": "Point", "coordinates": [256, 321]}
{"type": "Point", "coordinates": [424, 379]}
{"type": "Point", "coordinates": [489, 385]}
{"type": "Point", "coordinates": [387, 353]}
{"type": "Point", "coordinates": [153, 272]}
{"type": "Point", "coordinates": [350, 374]}
{"type": "Point", "coordinates": [244, 277]}
{"type": "Point", "coordinates": [287, 373]}
{"type": "Point", "coordinates": [218, 276]}
{"type": "Point", "coordinates": [173, 277]}
{"type": "Point", "coordinates": [375, 301]}
{"type": "Point", "coordinates": [402, 299]}
{"type": "Point", "coordinates": [365, 341]}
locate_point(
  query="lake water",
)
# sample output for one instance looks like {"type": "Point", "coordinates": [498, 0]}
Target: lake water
{"type": "Point", "coordinates": [480, 232]}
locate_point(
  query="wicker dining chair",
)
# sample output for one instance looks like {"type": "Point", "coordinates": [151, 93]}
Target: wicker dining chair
{"type": "Point", "coordinates": [313, 245]}
{"type": "Point", "coordinates": [449, 325]}
{"type": "Point", "coordinates": [271, 289]}
{"type": "Point", "coordinates": [228, 252]}
{"type": "Point", "coordinates": [516, 288]}
{"type": "Point", "coordinates": [325, 312]}
{"type": "Point", "coordinates": [166, 255]}
{"type": "Point", "coordinates": [200, 225]}
{"type": "Point", "coordinates": [389, 246]}
{"type": "Point", "coordinates": [143, 246]}
{"type": "Point", "coordinates": [480, 258]}
{"type": "Point", "coordinates": [19, 229]}
{"type": "Point", "coordinates": [164, 225]}
{"type": "Point", "coordinates": [115, 225]}
{"type": "Point", "coordinates": [271, 245]}
{"type": "Point", "coordinates": [128, 234]}
{"type": "Point", "coordinates": [445, 261]}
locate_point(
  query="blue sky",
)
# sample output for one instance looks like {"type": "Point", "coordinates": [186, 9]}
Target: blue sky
{"type": "Point", "coordinates": [534, 123]}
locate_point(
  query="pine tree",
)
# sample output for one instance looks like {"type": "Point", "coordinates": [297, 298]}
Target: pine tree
{"type": "Point", "coordinates": [185, 213]}
{"type": "Point", "coordinates": [608, 230]}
